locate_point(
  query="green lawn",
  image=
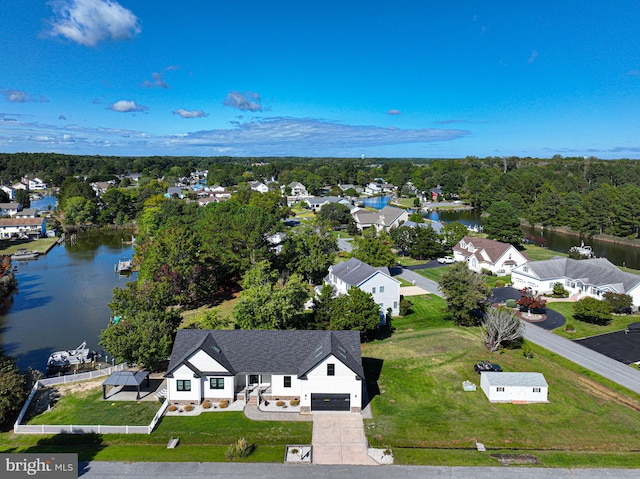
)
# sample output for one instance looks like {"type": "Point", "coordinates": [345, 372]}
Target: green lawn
{"type": "Point", "coordinates": [421, 411]}
{"type": "Point", "coordinates": [536, 253]}
{"type": "Point", "coordinates": [582, 329]}
{"type": "Point", "coordinates": [87, 407]}
{"type": "Point", "coordinates": [40, 245]}
{"type": "Point", "coordinates": [432, 273]}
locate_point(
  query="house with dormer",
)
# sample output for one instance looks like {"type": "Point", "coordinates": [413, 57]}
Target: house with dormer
{"type": "Point", "coordinates": [485, 254]}
{"type": "Point", "coordinates": [321, 369]}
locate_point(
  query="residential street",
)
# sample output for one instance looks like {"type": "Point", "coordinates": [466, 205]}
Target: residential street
{"type": "Point", "coordinates": [598, 363]}
{"type": "Point", "coordinates": [224, 470]}
{"type": "Point", "coordinates": [419, 280]}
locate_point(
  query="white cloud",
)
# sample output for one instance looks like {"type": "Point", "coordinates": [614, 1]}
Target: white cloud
{"type": "Point", "coordinates": [243, 101]}
{"type": "Point", "coordinates": [532, 57]}
{"type": "Point", "coordinates": [16, 96]}
{"type": "Point", "coordinates": [89, 22]}
{"type": "Point", "coordinates": [190, 113]}
{"type": "Point", "coordinates": [394, 112]}
{"type": "Point", "coordinates": [127, 106]}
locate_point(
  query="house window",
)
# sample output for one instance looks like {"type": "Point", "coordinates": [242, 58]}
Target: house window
{"type": "Point", "coordinates": [537, 390]}
{"type": "Point", "coordinates": [183, 385]}
{"type": "Point", "coordinates": [395, 304]}
{"type": "Point", "coordinates": [500, 389]}
{"type": "Point", "coordinates": [373, 290]}
{"type": "Point", "coordinates": [382, 289]}
{"type": "Point", "coordinates": [216, 383]}
{"type": "Point", "coordinates": [287, 381]}
{"type": "Point", "coordinates": [525, 269]}
{"type": "Point", "coordinates": [331, 369]}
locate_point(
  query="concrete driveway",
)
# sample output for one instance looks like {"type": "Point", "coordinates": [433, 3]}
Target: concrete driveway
{"type": "Point", "coordinates": [339, 439]}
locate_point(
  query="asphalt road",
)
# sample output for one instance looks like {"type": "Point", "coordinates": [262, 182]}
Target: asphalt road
{"type": "Point", "coordinates": [592, 360]}
{"type": "Point", "coordinates": [419, 280]}
{"type": "Point", "coordinates": [222, 470]}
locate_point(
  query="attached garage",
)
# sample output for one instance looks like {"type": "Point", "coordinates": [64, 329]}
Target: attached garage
{"type": "Point", "coordinates": [331, 402]}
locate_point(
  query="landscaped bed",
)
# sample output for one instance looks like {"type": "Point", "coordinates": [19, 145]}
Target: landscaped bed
{"type": "Point", "coordinates": [421, 407]}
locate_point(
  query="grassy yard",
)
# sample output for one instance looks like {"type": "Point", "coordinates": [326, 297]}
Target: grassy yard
{"type": "Point", "coordinates": [224, 309]}
{"type": "Point", "coordinates": [422, 412]}
{"type": "Point", "coordinates": [536, 253]}
{"type": "Point", "coordinates": [582, 329]}
{"type": "Point", "coordinates": [432, 273]}
{"type": "Point", "coordinates": [87, 407]}
{"type": "Point", "coordinates": [40, 245]}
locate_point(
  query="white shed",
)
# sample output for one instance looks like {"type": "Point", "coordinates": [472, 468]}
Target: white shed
{"type": "Point", "coordinates": [514, 387]}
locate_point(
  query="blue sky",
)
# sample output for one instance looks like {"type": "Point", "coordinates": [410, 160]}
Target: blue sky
{"type": "Point", "coordinates": [321, 78]}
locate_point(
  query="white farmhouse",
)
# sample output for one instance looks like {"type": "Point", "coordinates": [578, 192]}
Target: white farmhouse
{"type": "Point", "coordinates": [581, 278]}
{"type": "Point", "coordinates": [378, 281]}
{"type": "Point", "coordinates": [481, 253]}
{"type": "Point", "coordinates": [514, 387]}
{"type": "Point", "coordinates": [321, 369]}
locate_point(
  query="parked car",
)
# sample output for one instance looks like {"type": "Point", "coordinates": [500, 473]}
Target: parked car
{"type": "Point", "coordinates": [487, 367]}
{"type": "Point", "coordinates": [446, 260]}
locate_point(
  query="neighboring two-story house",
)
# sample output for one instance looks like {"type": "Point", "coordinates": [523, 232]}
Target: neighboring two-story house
{"type": "Point", "coordinates": [378, 281]}
{"type": "Point", "coordinates": [485, 254]}
{"type": "Point", "coordinates": [383, 220]}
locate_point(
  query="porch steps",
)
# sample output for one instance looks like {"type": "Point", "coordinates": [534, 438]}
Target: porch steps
{"type": "Point", "coordinates": [253, 400]}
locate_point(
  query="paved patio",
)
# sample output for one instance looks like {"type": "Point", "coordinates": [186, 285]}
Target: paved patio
{"type": "Point", "coordinates": [128, 393]}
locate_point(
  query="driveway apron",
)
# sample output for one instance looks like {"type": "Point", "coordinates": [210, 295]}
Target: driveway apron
{"type": "Point", "coordinates": [339, 439]}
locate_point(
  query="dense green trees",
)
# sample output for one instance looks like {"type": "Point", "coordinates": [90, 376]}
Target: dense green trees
{"type": "Point", "coordinates": [503, 223]}
{"type": "Point", "coordinates": [466, 294]}
{"type": "Point", "coordinates": [13, 390]}
{"type": "Point", "coordinates": [592, 310]}
{"type": "Point", "coordinates": [374, 249]}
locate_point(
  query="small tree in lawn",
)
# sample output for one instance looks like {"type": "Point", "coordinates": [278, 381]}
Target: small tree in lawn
{"type": "Point", "coordinates": [618, 302]}
{"type": "Point", "coordinates": [500, 325]}
{"type": "Point", "coordinates": [592, 310]}
{"type": "Point", "coordinates": [530, 302]}
{"type": "Point", "coordinates": [466, 294]}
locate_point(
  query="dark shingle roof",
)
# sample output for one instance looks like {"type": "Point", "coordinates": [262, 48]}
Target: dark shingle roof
{"type": "Point", "coordinates": [267, 352]}
{"type": "Point", "coordinates": [354, 272]}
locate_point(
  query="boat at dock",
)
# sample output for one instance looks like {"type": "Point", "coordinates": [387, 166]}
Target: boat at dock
{"type": "Point", "coordinates": [583, 250]}
{"type": "Point", "coordinates": [23, 253]}
{"type": "Point", "coordinates": [67, 358]}
{"type": "Point", "coordinates": [124, 266]}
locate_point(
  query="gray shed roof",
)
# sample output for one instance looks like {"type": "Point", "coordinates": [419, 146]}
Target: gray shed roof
{"type": "Point", "coordinates": [596, 272]}
{"type": "Point", "coordinates": [267, 351]}
{"type": "Point", "coordinates": [354, 272]}
{"type": "Point", "coordinates": [515, 379]}
{"type": "Point", "coordinates": [126, 378]}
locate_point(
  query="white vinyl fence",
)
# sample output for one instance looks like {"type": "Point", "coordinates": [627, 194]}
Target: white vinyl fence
{"type": "Point", "coordinates": [81, 429]}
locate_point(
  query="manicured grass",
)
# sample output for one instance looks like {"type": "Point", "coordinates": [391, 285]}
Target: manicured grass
{"type": "Point", "coordinates": [403, 282]}
{"type": "Point", "coordinates": [87, 407]}
{"type": "Point", "coordinates": [537, 253]}
{"type": "Point", "coordinates": [403, 203]}
{"type": "Point", "coordinates": [583, 329]}
{"type": "Point", "coordinates": [408, 261]}
{"type": "Point", "coordinates": [421, 403]}
{"type": "Point", "coordinates": [432, 273]}
{"type": "Point", "coordinates": [40, 245]}
{"type": "Point", "coordinates": [492, 280]}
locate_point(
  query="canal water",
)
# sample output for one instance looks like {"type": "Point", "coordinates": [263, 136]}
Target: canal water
{"type": "Point", "coordinates": [62, 298]}
{"type": "Point", "coordinates": [377, 202]}
{"type": "Point", "coordinates": [619, 255]}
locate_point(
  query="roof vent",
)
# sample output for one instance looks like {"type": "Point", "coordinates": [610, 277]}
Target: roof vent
{"type": "Point", "coordinates": [215, 348]}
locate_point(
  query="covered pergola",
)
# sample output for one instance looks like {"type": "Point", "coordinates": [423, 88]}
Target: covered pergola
{"type": "Point", "coordinates": [125, 378]}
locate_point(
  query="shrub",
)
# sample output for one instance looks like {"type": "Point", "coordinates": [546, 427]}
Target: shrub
{"type": "Point", "coordinates": [294, 402]}
{"type": "Point", "coordinates": [188, 407]}
{"type": "Point", "coordinates": [223, 404]}
{"type": "Point", "coordinates": [591, 310]}
{"type": "Point", "coordinates": [405, 307]}
{"type": "Point", "coordinates": [240, 449]}
{"type": "Point", "coordinates": [172, 408]}
{"type": "Point", "coordinates": [511, 303]}
{"type": "Point", "coordinates": [499, 283]}
{"type": "Point", "coordinates": [618, 302]}
{"type": "Point", "coordinates": [280, 403]}
{"type": "Point", "coordinates": [559, 291]}
{"type": "Point", "coordinates": [527, 353]}
{"type": "Point", "coordinates": [570, 328]}
{"type": "Point", "coordinates": [206, 404]}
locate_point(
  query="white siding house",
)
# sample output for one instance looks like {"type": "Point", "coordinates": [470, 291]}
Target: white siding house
{"type": "Point", "coordinates": [20, 227]}
{"type": "Point", "coordinates": [581, 278]}
{"type": "Point", "coordinates": [321, 369]}
{"type": "Point", "coordinates": [383, 220]}
{"type": "Point", "coordinates": [514, 387]}
{"type": "Point", "coordinates": [485, 254]}
{"type": "Point", "coordinates": [378, 281]}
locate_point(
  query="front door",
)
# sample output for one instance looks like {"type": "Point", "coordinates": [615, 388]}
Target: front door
{"type": "Point", "coordinates": [253, 379]}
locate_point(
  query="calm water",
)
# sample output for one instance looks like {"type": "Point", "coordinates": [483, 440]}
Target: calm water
{"type": "Point", "coordinates": [62, 299]}
{"type": "Point", "coordinates": [377, 202]}
{"type": "Point", "coordinates": [618, 254]}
